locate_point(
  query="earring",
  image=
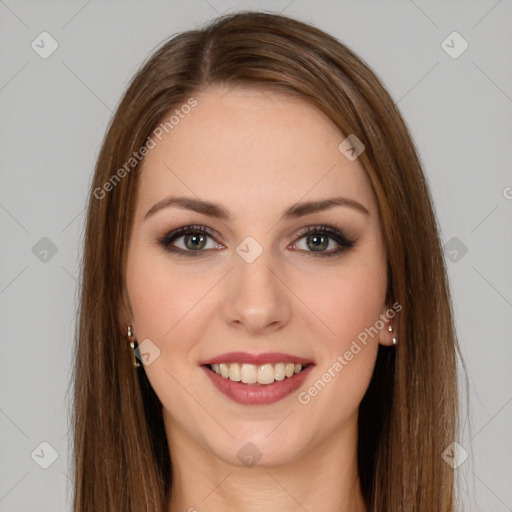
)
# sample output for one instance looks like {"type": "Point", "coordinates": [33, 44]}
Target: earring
{"type": "Point", "coordinates": [133, 345]}
{"type": "Point", "coordinates": [390, 329]}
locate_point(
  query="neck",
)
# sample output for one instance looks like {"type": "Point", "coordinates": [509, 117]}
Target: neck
{"type": "Point", "coordinates": [323, 479]}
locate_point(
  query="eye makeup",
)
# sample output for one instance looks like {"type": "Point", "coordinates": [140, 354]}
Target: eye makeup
{"type": "Point", "coordinates": [199, 235]}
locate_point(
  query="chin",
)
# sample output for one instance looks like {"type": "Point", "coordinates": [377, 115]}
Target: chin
{"type": "Point", "coordinates": [257, 448]}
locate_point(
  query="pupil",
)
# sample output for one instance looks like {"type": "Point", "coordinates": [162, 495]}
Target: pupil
{"type": "Point", "coordinates": [196, 237]}
{"type": "Point", "coordinates": [319, 245]}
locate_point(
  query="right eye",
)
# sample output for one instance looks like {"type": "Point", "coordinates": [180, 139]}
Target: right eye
{"type": "Point", "coordinates": [195, 239]}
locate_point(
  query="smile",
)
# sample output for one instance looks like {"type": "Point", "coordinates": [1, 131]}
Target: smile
{"type": "Point", "coordinates": [261, 374]}
{"type": "Point", "coordinates": [256, 393]}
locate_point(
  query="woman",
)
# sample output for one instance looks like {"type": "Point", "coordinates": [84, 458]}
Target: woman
{"type": "Point", "coordinates": [265, 316]}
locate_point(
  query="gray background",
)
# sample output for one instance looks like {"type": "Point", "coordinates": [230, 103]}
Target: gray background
{"type": "Point", "coordinates": [54, 113]}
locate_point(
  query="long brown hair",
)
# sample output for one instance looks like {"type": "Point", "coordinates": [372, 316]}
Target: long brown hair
{"type": "Point", "coordinates": [409, 414]}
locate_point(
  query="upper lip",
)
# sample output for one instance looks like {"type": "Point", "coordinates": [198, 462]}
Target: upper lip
{"type": "Point", "coordinates": [256, 359]}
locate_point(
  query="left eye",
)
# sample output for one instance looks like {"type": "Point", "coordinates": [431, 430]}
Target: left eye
{"type": "Point", "coordinates": [319, 237]}
{"type": "Point", "coordinates": [317, 242]}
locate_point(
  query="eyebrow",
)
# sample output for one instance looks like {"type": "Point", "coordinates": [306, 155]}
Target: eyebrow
{"type": "Point", "coordinates": [216, 210]}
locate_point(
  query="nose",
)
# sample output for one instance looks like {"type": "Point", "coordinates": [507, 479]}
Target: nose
{"type": "Point", "coordinates": [258, 298]}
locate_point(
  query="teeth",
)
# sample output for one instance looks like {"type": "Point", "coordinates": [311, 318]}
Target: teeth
{"type": "Point", "coordinates": [262, 374]}
{"type": "Point", "coordinates": [279, 371]}
{"type": "Point", "coordinates": [249, 373]}
{"type": "Point", "coordinates": [234, 372]}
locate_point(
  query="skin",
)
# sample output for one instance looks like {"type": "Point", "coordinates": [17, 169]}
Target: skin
{"type": "Point", "coordinates": [256, 153]}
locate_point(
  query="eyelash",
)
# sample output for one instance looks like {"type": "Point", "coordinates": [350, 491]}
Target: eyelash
{"type": "Point", "coordinates": [336, 235]}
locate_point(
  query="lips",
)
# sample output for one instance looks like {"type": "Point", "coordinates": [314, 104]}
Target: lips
{"type": "Point", "coordinates": [257, 394]}
{"type": "Point", "coordinates": [256, 359]}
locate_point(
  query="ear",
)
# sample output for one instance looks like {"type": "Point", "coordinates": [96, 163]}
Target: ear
{"type": "Point", "coordinates": [386, 336]}
{"type": "Point", "coordinates": [124, 314]}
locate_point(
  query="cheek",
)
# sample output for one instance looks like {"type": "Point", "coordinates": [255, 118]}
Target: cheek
{"type": "Point", "coordinates": [163, 301]}
{"type": "Point", "coordinates": [169, 310]}
{"type": "Point", "coordinates": [348, 301]}
{"type": "Point", "coordinates": [348, 311]}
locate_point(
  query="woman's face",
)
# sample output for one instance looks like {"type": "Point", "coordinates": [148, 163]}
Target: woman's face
{"type": "Point", "coordinates": [253, 281]}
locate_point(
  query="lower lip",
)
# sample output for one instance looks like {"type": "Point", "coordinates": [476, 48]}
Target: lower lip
{"type": "Point", "coordinates": [258, 394]}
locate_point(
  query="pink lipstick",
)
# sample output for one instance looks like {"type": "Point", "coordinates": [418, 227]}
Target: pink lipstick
{"type": "Point", "coordinates": [257, 379]}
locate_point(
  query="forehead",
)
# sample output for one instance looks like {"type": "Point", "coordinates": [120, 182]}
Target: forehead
{"type": "Point", "coordinates": [253, 148]}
